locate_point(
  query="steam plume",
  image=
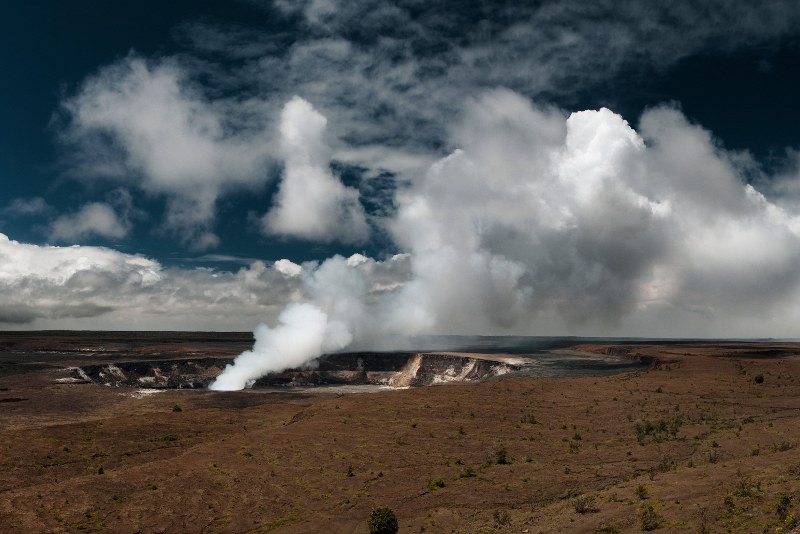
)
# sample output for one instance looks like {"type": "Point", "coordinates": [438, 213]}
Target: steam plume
{"type": "Point", "coordinates": [546, 224]}
{"type": "Point", "coordinates": [303, 333]}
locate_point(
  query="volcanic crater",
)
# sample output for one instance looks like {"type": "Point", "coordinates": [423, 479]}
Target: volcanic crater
{"type": "Point", "coordinates": [392, 369]}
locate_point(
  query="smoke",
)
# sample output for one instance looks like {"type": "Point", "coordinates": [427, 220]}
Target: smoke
{"type": "Point", "coordinates": [303, 333]}
{"type": "Point", "coordinates": [542, 223]}
{"type": "Point", "coordinates": [339, 314]}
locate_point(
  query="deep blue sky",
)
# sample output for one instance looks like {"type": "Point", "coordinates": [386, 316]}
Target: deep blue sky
{"type": "Point", "coordinates": [50, 48]}
{"type": "Point", "coordinates": [211, 134]}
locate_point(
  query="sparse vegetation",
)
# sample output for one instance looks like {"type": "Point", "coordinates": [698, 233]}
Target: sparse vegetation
{"type": "Point", "coordinates": [660, 430]}
{"type": "Point", "coordinates": [524, 474]}
{"type": "Point", "coordinates": [382, 521]}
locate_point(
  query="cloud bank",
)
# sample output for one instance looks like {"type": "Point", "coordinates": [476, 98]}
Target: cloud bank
{"type": "Point", "coordinates": [544, 224]}
{"type": "Point", "coordinates": [541, 222]}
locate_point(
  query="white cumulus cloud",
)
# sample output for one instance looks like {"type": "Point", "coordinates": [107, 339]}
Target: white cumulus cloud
{"type": "Point", "coordinates": [145, 124]}
{"type": "Point", "coordinates": [311, 202]}
{"type": "Point", "coordinates": [584, 225]}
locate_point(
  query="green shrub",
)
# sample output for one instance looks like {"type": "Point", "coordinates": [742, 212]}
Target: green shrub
{"type": "Point", "coordinates": [433, 485]}
{"type": "Point", "coordinates": [382, 521]}
{"type": "Point", "coordinates": [650, 518]}
{"type": "Point", "coordinates": [501, 456]}
{"type": "Point", "coordinates": [467, 472]}
{"type": "Point", "coordinates": [783, 506]}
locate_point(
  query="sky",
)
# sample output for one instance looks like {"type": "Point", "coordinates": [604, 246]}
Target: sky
{"type": "Point", "coordinates": [348, 171]}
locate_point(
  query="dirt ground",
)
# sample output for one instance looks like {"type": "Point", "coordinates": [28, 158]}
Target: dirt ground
{"type": "Point", "coordinates": [706, 440]}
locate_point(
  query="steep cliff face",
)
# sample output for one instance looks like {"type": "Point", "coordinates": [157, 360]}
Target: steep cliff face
{"type": "Point", "coordinates": [430, 369]}
{"type": "Point", "coordinates": [389, 369]}
{"type": "Point", "coordinates": [167, 374]}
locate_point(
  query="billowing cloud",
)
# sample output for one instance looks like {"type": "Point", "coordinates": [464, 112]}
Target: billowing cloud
{"type": "Point", "coordinates": [145, 124]}
{"type": "Point", "coordinates": [546, 224]}
{"type": "Point", "coordinates": [388, 76]}
{"type": "Point", "coordinates": [583, 222]}
{"type": "Point", "coordinates": [312, 203]}
{"type": "Point", "coordinates": [92, 219]}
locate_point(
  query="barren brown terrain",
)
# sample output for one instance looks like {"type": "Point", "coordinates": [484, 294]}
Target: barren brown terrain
{"type": "Point", "coordinates": [704, 440]}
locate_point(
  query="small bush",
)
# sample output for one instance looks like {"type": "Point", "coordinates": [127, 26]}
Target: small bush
{"type": "Point", "coordinates": [433, 485]}
{"type": "Point", "coordinates": [783, 506]}
{"type": "Point", "coordinates": [529, 419]}
{"type": "Point", "coordinates": [177, 408]}
{"type": "Point", "coordinates": [501, 517]}
{"type": "Point", "coordinates": [467, 472]}
{"type": "Point", "coordinates": [641, 492]}
{"type": "Point", "coordinates": [382, 521]}
{"type": "Point", "coordinates": [758, 379]}
{"type": "Point", "coordinates": [649, 517]}
{"type": "Point", "coordinates": [501, 456]}
{"type": "Point", "coordinates": [584, 504]}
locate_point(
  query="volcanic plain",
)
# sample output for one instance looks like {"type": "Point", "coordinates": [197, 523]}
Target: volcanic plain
{"type": "Point", "coordinates": [703, 438]}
